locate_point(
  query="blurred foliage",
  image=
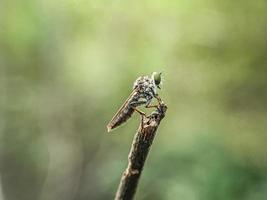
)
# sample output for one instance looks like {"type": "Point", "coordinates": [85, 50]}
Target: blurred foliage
{"type": "Point", "coordinates": [66, 66]}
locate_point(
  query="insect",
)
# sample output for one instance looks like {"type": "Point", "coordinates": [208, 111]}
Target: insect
{"type": "Point", "coordinates": [144, 90]}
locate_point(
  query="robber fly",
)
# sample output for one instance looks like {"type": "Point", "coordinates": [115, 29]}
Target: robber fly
{"type": "Point", "coordinates": [144, 90]}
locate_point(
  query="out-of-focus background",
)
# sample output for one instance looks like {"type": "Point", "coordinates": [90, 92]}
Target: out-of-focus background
{"type": "Point", "coordinates": [67, 66]}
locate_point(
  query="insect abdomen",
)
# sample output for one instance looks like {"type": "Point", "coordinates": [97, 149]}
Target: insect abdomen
{"type": "Point", "coordinates": [121, 118]}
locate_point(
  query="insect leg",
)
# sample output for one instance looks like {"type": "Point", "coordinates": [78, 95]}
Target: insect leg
{"type": "Point", "coordinates": [149, 100]}
{"type": "Point", "coordinates": [134, 104]}
{"type": "Point", "coordinates": [139, 111]}
{"type": "Point", "coordinates": [158, 98]}
{"type": "Point", "coordinates": [150, 106]}
{"type": "Point", "coordinates": [142, 114]}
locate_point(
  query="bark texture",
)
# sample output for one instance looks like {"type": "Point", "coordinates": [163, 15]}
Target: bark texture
{"type": "Point", "coordinates": [140, 147]}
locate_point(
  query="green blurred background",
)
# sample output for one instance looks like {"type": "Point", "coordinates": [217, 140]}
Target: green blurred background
{"type": "Point", "coordinates": [66, 66]}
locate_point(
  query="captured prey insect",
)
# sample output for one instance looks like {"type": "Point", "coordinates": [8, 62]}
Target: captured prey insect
{"type": "Point", "coordinates": [144, 90]}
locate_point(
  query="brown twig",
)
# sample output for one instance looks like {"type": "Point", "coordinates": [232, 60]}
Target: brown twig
{"type": "Point", "coordinates": [138, 154]}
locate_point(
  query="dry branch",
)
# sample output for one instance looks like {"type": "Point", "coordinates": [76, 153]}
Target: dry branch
{"type": "Point", "coordinates": [140, 147]}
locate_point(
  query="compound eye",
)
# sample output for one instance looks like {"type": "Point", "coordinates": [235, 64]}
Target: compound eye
{"type": "Point", "coordinates": [157, 78]}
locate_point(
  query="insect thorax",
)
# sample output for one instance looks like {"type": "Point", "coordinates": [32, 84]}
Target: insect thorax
{"type": "Point", "coordinates": [146, 87]}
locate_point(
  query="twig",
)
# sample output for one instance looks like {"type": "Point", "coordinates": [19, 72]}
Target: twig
{"type": "Point", "coordinates": [138, 154]}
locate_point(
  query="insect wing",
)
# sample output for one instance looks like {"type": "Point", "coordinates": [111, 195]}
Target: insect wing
{"type": "Point", "coordinates": [122, 114]}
